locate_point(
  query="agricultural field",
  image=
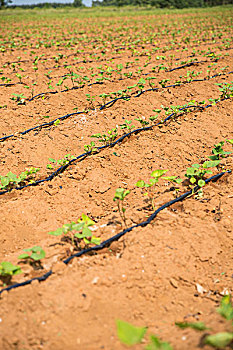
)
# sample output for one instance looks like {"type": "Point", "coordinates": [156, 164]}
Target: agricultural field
{"type": "Point", "coordinates": [116, 198]}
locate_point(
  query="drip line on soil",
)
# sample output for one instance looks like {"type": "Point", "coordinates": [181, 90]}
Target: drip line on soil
{"type": "Point", "coordinates": [80, 87]}
{"type": "Point", "coordinates": [145, 74]}
{"type": "Point", "coordinates": [116, 237]}
{"type": "Point", "coordinates": [100, 108]}
{"type": "Point", "coordinates": [82, 156]}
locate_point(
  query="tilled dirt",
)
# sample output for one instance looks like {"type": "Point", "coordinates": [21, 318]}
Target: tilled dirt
{"type": "Point", "coordinates": [152, 275]}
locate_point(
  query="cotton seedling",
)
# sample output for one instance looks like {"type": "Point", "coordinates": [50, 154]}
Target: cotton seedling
{"type": "Point", "coordinates": [60, 162]}
{"type": "Point", "coordinates": [218, 151]}
{"type": "Point", "coordinates": [226, 90]}
{"type": "Point", "coordinates": [19, 98]}
{"type": "Point", "coordinates": [156, 175]}
{"type": "Point", "coordinates": [33, 256]}
{"type": "Point", "coordinates": [11, 180]}
{"type": "Point", "coordinates": [196, 172]}
{"type": "Point", "coordinates": [7, 270]}
{"type": "Point", "coordinates": [127, 125]}
{"type": "Point", "coordinates": [119, 197]}
{"type": "Point", "coordinates": [131, 336]}
{"type": "Point", "coordinates": [142, 121]}
{"type": "Point", "coordinates": [90, 148]}
{"type": "Point", "coordinates": [218, 340]}
{"type": "Point", "coordinates": [107, 138]}
{"type": "Point", "coordinates": [78, 232]}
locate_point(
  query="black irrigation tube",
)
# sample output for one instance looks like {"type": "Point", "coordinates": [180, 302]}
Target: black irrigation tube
{"type": "Point", "coordinates": [80, 87]}
{"type": "Point", "coordinates": [82, 156]}
{"type": "Point", "coordinates": [116, 237]}
{"type": "Point", "coordinates": [102, 107]}
{"type": "Point", "coordinates": [145, 74]}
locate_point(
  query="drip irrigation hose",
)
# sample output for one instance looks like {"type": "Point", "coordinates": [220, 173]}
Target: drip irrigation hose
{"type": "Point", "coordinates": [144, 74]}
{"type": "Point", "coordinates": [82, 156]}
{"type": "Point", "coordinates": [116, 237]}
{"type": "Point", "coordinates": [80, 87]}
{"type": "Point", "coordinates": [102, 107]}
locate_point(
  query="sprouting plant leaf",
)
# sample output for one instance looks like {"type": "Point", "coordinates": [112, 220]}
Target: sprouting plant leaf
{"type": "Point", "coordinates": [199, 326]}
{"type": "Point", "coordinates": [120, 193]}
{"type": "Point", "coordinates": [140, 183]}
{"type": "Point", "coordinates": [157, 344]}
{"type": "Point", "coordinates": [226, 309]}
{"type": "Point", "coordinates": [219, 340]}
{"type": "Point", "coordinates": [201, 183]}
{"type": "Point", "coordinates": [79, 230]}
{"type": "Point", "coordinates": [8, 269]}
{"type": "Point", "coordinates": [211, 163]}
{"type": "Point", "coordinates": [35, 253]}
{"type": "Point", "coordinates": [230, 141]}
{"type": "Point", "coordinates": [158, 173]}
{"type": "Point", "coordinates": [129, 334]}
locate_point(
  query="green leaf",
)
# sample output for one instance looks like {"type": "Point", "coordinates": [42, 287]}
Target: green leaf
{"type": "Point", "coordinates": [57, 232]}
{"type": "Point", "coordinates": [230, 141]}
{"type": "Point", "coordinates": [192, 180]}
{"type": "Point", "coordinates": [226, 309]}
{"type": "Point", "coordinates": [87, 220]}
{"type": "Point", "coordinates": [52, 160]}
{"type": "Point", "coordinates": [219, 340]}
{"type": "Point", "coordinates": [128, 334]}
{"type": "Point", "coordinates": [87, 232]}
{"type": "Point", "coordinates": [201, 183]}
{"type": "Point", "coordinates": [191, 171]}
{"type": "Point", "coordinates": [169, 178]}
{"type": "Point", "coordinates": [199, 326]}
{"type": "Point", "coordinates": [5, 181]}
{"type": "Point", "coordinates": [120, 193]}
{"type": "Point", "coordinates": [153, 181]}
{"type": "Point", "coordinates": [24, 256]}
{"type": "Point", "coordinates": [37, 253]}
{"type": "Point", "coordinates": [8, 269]}
{"type": "Point", "coordinates": [158, 173]}
{"type": "Point", "coordinates": [211, 163]}
{"type": "Point", "coordinates": [78, 227]}
{"type": "Point", "coordinates": [140, 183]}
{"type": "Point", "coordinates": [157, 344]}
{"type": "Point", "coordinates": [95, 240]}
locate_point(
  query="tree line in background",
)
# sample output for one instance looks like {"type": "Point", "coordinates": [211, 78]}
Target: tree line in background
{"type": "Point", "coordinates": [162, 3]}
{"type": "Point", "coordinates": [119, 3]}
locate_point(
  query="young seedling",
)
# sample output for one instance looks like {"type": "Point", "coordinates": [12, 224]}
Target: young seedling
{"type": "Point", "coordinates": [90, 148]}
{"type": "Point", "coordinates": [11, 180]}
{"type": "Point", "coordinates": [163, 82]}
{"type": "Point", "coordinates": [131, 336]}
{"type": "Point", "coordinates": [154, 117]}
{"type": "Point", "coordinates": [196, 172]}
{"type": "Point", "coordinates": [156, 175]}
{"type": "Point", "coordinates": [60, 162]}
{"type": "Point", "coordinates": [33, 256]}
{"type": "Point", "coordinates": [19, 98]}
{"type": "Point", "coordinates": [218, 151]}
{"type": "Point", "coordinates": [91, 100]}
{"type": "Point", "coordinates": [218, 340]}
{"type": "Point", "coordinates": [175, 182]}
{"type": "Point", "coordinates": [226, 90]}
{"type": "Point", "coordinates": [78, 232]}
{"type": "Point", "coordinates": [142, 121]}
{"type": "Point", "coordinates": [119, 197]}
{"type": "Point", "coordinates": [127, 125]}
{"type": "Point", "coordinates": [107, 138]}
{"type": "Point", "coordinates": [7, 270]}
